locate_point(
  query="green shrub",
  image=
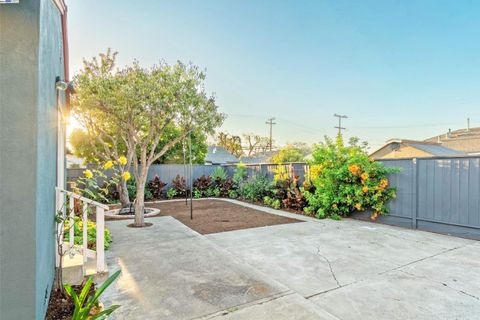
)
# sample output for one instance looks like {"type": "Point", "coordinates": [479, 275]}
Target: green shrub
{"type": "Point", "coordinates": [171, 192]}
{"type": "Point", "coordinates": [219, 174]}
{"type": "Point", "coordinates": [216, 192]}
{"type": "Point", "coordinates": [267, 200]}
{"type": "Point", "coordinates": [132, 190]}
{"type": "Point", "coordinates": [240, 174]}
{"type": "Point", "coordinates": [219, 179]}
{"type": "Point", "coordinates": [308, 211]}
{"type": "Point", "coordinates": [336, 217]}
{"type": "Point", "coordinates": [197, 194]}
{"type": "Point", "coordinates": [209, 193]}
{"type": "Point", "coordinates": [346, 180]}
{"type": "Point", "coordinates": [91, 233]}
{"type": "Point", "coordinates": [233, 194]}
{"type": "Point", "coordinates": [256, 187]}
{"type": "Point", "coordinates": [148, 194]}
{"type": "Point", "coordinates": [271, 202]}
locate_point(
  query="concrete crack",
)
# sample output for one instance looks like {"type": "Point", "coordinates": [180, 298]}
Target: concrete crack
{"type": "Point", "coordinates": [235, 308]}
{"type": "Point", "coordinates": [380, 273]}
{"type": "Point", "coordinates": [442, 283]}
{"type": "Point", "coordinates": [329, 265]}
{"type": "Point", "coordinates": [419, 260]}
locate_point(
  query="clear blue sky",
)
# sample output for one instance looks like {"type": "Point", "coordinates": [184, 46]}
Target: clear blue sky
{"type": "Point", "coordinates": [398, 69]}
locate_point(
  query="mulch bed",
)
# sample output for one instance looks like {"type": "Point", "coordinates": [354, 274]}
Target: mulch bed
{"type": "Point", "coordinates": [212, 216]}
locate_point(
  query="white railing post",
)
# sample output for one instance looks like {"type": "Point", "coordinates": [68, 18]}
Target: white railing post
{"type": "Point", "coordinates": [100, 240]}
{"type": "Point", "coordinates": [72, 221]}
{"type": "Point", "coordinates": [100, 221]}
{"type": "Point", "coordinates": [85, 235]}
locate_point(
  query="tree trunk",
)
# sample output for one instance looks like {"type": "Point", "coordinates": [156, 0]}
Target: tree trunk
{"type": "Point", "coordinates": [123, 192]}
{"type": "Point", "coordinates": [140, 201]}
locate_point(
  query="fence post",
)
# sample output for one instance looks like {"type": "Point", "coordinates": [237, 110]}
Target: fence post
{"type": "Point", "coordinates": [100, 244]}
{"type": "Point", "coordinates": [415, 193]}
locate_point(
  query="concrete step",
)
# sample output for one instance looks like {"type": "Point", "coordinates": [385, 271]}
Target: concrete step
{"type": "Point", "coordinates": [73, 269]}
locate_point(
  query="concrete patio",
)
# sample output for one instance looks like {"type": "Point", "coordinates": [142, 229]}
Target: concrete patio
{"type": "Point", "coordinates": [317, 269]}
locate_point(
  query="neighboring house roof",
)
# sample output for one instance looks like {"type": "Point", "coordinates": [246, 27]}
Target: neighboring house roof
{"type": "Point", "coordinates": [264, 157]}
{"type": "Point", "coordinates": [218, 155]}
{"type": "Point", "coordinates": [399, 148]}
{"type": "Point", "coordinates": [466, 140]}
{"type": "Point", "coordinates": [436, 150]}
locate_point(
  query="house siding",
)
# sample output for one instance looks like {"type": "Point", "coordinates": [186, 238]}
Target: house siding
{"type": "Point", "coordinates": [51, 65]}
{"type": "Point", "coordinates": [30, 59]}
{"type": "Point", "coordinates": [403, 152]}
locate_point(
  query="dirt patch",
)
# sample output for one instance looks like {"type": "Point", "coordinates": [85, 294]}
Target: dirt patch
{"type": "Point", "coordinates": [146, 224]}
{"type": "Point", "coordinates": [212, 216]}
{"type": "Point", "coordinates": [60, 307]}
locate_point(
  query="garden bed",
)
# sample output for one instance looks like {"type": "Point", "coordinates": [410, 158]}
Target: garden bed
{"type": "Point", "coordinates": [212, 216]}
{"type": "Point", "coordinates": [60, 307]}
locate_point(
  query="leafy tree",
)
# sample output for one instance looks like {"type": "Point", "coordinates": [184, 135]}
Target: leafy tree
{"type": "Point", "coordinates": [231, 143]}
{"type": "Point", "coordinates": [255, 143]}
{"type": "Point", "coordinates": [83, 147]}
{"type": "Point", "coordinates": [294, 152]}
{"type": "Point", "coordinates": [102, 139]}
{"type": "Point", "coordinates": [176, 153]}
{"type": "Point", "coordinates": [141, 104]}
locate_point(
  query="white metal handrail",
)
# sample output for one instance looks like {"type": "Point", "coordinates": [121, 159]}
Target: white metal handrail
{"type": "Point", "coordinates": [100, 222]}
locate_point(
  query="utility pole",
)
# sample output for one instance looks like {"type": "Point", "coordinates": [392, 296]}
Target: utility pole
{"type": "Point", "coordinates": [271, 123]}
{"type": "Point", "coordinates": [340, 128]}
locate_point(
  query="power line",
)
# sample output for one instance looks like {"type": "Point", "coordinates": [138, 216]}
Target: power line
{"type": "Point", "coordinates": [340, 128]}
{"type": "Point", "coordinates": [271, 123]}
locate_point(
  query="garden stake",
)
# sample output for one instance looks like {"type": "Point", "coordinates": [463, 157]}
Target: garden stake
{"type": "Point", "coordinates": [191, 178]}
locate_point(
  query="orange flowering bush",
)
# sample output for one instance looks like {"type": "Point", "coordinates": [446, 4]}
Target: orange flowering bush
{"type": "Point", "coordinates": [349, 181]}
{"type": "Point", "coordinates": [354, 169]}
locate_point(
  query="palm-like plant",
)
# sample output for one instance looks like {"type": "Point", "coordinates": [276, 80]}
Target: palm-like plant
{"type": "Point", "coordinates": [85, 303]}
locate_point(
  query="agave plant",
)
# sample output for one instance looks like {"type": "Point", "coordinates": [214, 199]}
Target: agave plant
{"type": "Point", "coordinates": [84, 303]}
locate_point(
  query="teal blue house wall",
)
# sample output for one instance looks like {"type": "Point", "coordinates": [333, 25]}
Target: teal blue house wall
{"type": "Point", "coordinates": [31, 57]}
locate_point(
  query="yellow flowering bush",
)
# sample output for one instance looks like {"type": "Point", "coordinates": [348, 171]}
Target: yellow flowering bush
{"type": "Point", "coordinates": [88, 174]}
{"type": "Point", "coordinates": [314, 171]}
{"type": "Point", "coordinates": [96, 184]}
{"type": "Point", "coordinates": [122, 160]}
{"type": "Point", "coordinates": [126, 176]}
{"type": "Point", "coordinates": [280, 173]}
{"type": "Point", "coordinates": [348, 181]}
{"type": "Point", "coordinates": [108, 165]}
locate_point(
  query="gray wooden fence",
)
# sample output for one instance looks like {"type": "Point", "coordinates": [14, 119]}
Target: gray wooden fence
{"type": "Point", "coordinates": [434, 194]}
{"type": "Point", "coordinates": [437, 194]}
